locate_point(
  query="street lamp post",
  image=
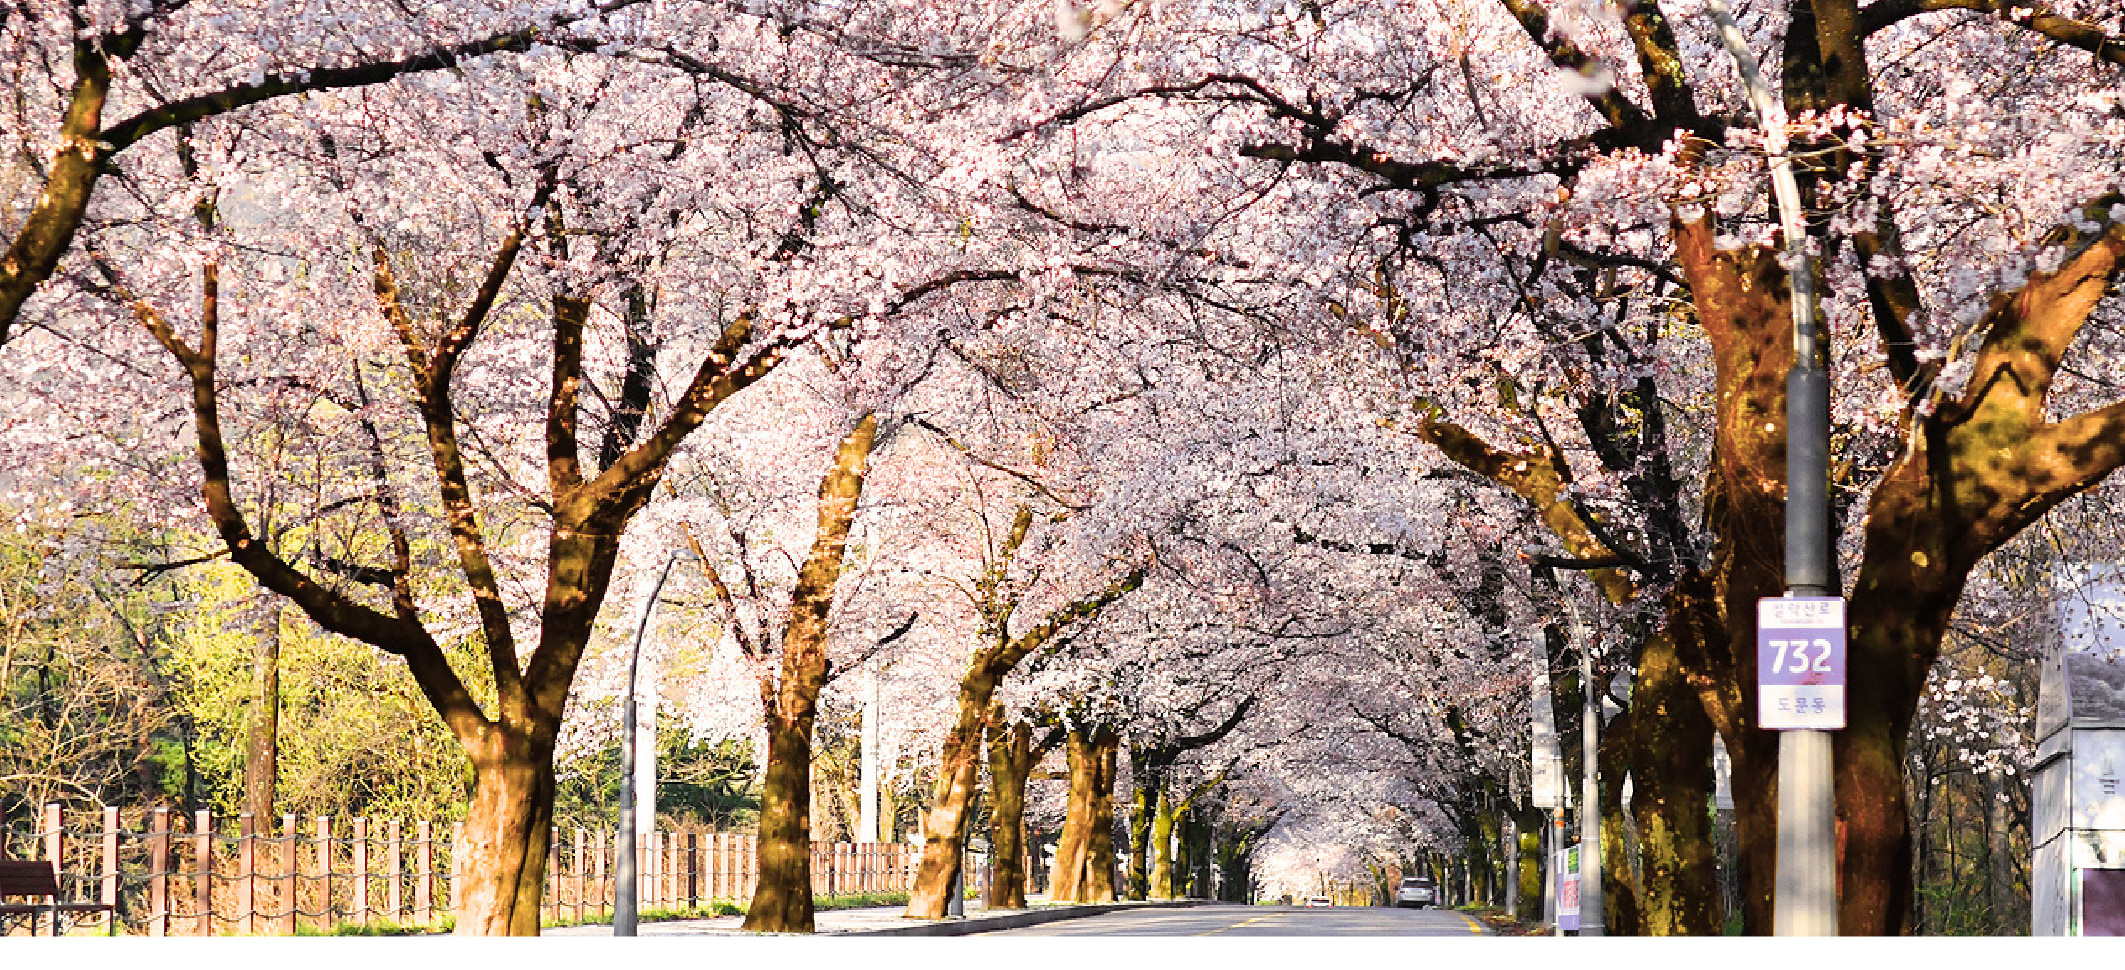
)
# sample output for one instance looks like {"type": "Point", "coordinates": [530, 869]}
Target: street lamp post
{"type": "Point", "coordinates": [624, 888]}
{"type": "Point", "coordinates": [1804, 901]}
{"type": "Point", "coordinates": [1591, 917]}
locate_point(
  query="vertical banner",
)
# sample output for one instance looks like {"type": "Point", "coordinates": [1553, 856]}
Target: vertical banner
{"type": "Point", "coordinates": [1545, 760]}
{"type": "Point", "coordinates": [1568, 888]}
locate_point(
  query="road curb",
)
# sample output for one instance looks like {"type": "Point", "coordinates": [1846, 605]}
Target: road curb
{"type": "Point", "coordinates": [1012, 921]}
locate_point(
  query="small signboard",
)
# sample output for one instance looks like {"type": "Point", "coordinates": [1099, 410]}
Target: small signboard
{"type": "Point", "coordinates": [1545, 758]}
{"type": "Point", "coordinates": [1568, 888]}
{"type": "Point", "coordinates": [1800, 663]}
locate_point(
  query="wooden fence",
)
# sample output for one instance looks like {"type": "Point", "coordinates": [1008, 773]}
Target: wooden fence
{"type": "Point", "coordinates": [168, 875]}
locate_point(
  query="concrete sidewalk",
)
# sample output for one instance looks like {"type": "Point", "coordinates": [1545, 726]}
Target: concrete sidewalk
{"type": "Point", "coordinates": [883, 921]}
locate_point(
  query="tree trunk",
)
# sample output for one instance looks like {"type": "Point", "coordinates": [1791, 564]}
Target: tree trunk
{"type": "Point", "coordinates": [1074, 841]}
{"type": "Point", "coordinates": [1143, 804]}
{"type": "Point", "coordinates": [782, 901]}
{"type": "Point", "coordinates": [1010, 762]}
{"type": "Point", "coordinates": [1160, 846]}
{"type": "Point", "coordinates": [1893, 631]}
{"type": "Point", "coordinates": [1671, 781]}
{"type": "Point", "coordinates": [1197, 835]}
{"type": "Point", "coordinates": [1529, 826]}
{"type": "Point", "coordinates": [1084, 858]}
{"type": "Point", "coordinates": [1480, 860]}
{"type": "Point", "coordinates": [952, 803]}
{"type": "Point", "coordinates": [508, 830]}
{"type": "Point", "coordinates": [1099, 849]}
{"type": "Point", "coordinates": [261, 768]}
{"type": "Point", "coordinates": [1619, 883]}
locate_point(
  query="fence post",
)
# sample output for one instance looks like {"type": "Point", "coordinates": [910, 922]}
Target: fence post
{"type": "Point", "coordinates": [289, 842]}
{"type": "Point", "coordinates": [324, 872]}
{"type": "Point", "coordinates": [668, 867]}
{"type": "Point", "coordinates": [424, 879]}
{"type": "Point", "coordinates": [457, 869]}
{"type": "Point", "coordinates": [579, 874]}
{"type": "Point", "coordinates": [693, 869]}
{"type": "Point", "coordinates": [203, 871]}
{"type": "Point", "coordinates": [395, 863]}
{"type": "Point", "coordinates": [550, 899]}
{"type": "Point", "coordinates": [599, 880]}
{"type": "Point", "coordinates": [247, 871]}
{"type": "Point", "coordinates": [715, 865]}
{"type": "Point", "coordinates": [159, 860]}
{"type": "Point", "coordinates": [646, 868]}
{"type": "Point", "coordinates": [55, 853]}
{"type": "Point", "coordinates": [107, 886]}
{"type": "Point", "coordinates": [360, 907]}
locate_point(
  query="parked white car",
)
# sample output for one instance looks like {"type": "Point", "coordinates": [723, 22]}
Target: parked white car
{"type": "Point", "coordinates": [1314, 901]}
{"type": "Point", "coordinates": [1417, 891]}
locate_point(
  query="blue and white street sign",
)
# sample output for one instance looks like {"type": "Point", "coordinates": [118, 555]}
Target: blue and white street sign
{"type": "Point", "coordinates": [1800, 663]}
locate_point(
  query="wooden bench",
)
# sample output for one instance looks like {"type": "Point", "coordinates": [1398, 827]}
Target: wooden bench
{"type": "Point", "coordinates": [35, 879]}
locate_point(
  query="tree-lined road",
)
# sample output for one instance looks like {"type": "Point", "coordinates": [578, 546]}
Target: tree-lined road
{"type": "Point", "coordinates": [1235, 920]}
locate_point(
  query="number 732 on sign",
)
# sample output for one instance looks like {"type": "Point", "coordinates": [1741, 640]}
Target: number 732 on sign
{"type": "Point", "coordinates": [1800, 663]}
{"type": "Point", "coordinates": [1793, 655]}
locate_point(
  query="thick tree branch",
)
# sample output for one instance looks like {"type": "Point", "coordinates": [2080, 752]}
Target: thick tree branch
{"type": "Point", "coordinates": [968, 452]}
{"type": "Point", "coordinates": [564, 466]}
{"type": "Point", "coordinates": [1660, 61]}
{"type": "Point", "coordinates": [86, 147]}
{"type": "Point", "coordinates": [199, 107]}
{"type": "Point", "coordinates": [2027, 332]}
{"type": "Point", "coordinates": [332, 610]}
{"type": "Point", "coordinates": [1613, 107]}
{"type": "Point", "coordinates": [2027, 15]}
{"type": "Point", "coordinates": [1534, 476]}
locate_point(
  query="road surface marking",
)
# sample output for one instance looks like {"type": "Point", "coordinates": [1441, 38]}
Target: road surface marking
{"type": "Point", "coordinates": [1248, 922]}
{"type": "Point", "coordinates": [1473, 926]}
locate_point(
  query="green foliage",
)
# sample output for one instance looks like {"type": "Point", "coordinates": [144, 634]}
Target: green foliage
{"type": "Point", "coordinates": [712, 784]}
{"type": "Point", "coordinates": [379, 928]}
{"type": "Point", "coordinates": [356, 735]}
{"type": "Point", "coordinates": [863, 900]}
{"type": "Point", "coordinates": [82, 689]}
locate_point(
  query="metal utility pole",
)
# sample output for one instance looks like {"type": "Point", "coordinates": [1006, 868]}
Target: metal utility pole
{"type": "Point", "coordinates": [955, 906]}
{"type": "Point", "coordinates": [1590, 915]}
{"type": "Point", "coordinates": [1805, 903]}
{"type": "Point", "coordinates": [624, 881]}
{"type": "Point", "coordinates": [867, 799]}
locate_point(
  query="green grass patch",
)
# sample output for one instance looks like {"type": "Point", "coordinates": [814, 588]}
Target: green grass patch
{"type": "Point", "coordinates": [381, 928]}
{"type": "Point", "coordinates": [721, 907]}
{"type": "Point", "coordinates": [860, 900]}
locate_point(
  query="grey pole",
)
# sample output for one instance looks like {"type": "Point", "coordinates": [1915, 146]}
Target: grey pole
{"type": "Point", "coordinates": [867, 797]}
{"type": "Point", "coordinates": [955, 905]}
{"type": "Point", "coordinates": [624, 888]}
{"type": "Point", "coordinates": [1805, 898]}
{"type": "Point", "coordinates": [1590, 913]}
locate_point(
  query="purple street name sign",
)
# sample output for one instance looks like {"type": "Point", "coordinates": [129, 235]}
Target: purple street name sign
{"type": "Point", "coordinates": [1800, 663]}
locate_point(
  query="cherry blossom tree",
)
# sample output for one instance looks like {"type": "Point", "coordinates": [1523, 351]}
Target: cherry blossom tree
{"type": "Point", "coordinates": [160, 65]}
{"type": "Point", "coordinates": [510, 249]}
{"type": "Point", "coordinates": [1615, 195]}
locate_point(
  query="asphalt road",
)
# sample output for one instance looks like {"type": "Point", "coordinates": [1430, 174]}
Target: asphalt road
{"type": "Point", "coordinates": [1236, 920]}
